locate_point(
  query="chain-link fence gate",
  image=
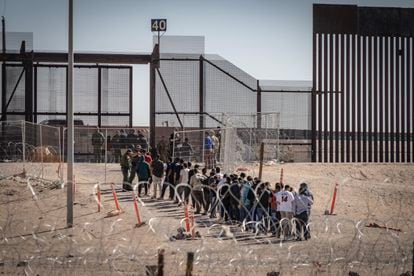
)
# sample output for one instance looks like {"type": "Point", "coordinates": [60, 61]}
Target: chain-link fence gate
{"type": "Point", "coordinates": [236, 141]}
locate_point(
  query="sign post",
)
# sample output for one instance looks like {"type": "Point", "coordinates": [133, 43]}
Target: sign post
{"type": "Point", "coordinates": [158, 25]}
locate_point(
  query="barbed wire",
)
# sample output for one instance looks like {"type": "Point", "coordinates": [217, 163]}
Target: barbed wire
{"type": "Point", "coordinates": [34, 238]}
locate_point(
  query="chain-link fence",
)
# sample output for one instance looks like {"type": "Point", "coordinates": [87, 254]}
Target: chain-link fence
{"type": "Point", "coordinates": [236, 141]}
{"type": "Point", "coordinates": [31, 146]}
{"type": "Point", "coordinates": [197, 91]}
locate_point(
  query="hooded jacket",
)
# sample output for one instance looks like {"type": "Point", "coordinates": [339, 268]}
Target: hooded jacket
{"type": "Point", "coordinates": [143, 169]}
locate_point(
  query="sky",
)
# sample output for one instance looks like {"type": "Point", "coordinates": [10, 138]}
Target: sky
{"type": "Point", "coordinates": [269, 39]}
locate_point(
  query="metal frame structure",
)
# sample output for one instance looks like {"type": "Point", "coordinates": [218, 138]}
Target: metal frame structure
{"type": "Point", "coordinates": [31, 61]}
{"type": "Point", "coordinates": [31, 112]}
{"type": "Point", "coordinates": [362, 93]}
{"type": "Point", "coordinates": [203, 114]}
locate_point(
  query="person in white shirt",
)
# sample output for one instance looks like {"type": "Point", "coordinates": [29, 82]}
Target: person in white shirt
{"type": "Point", "coordinates": [219, 174]}
{"type": "Point", "coordinates": [183, 183]}
{"type": "Point", "coordinates": [284, 200]}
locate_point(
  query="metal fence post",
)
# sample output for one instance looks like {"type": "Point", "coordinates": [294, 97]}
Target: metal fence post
{"type": "Point", "coordinates": [24, 143]}
{"type": "Point", "coordinates": [41, 149]}
{"type": "Point", "coordinates": [173, 145]}
{"type": "Point", "coordinates": [60, 155]}
{"type": "Point", "coordinates": [64, 149]}
{"type": "Point", "coordinates": [279, 150]}
{"type": "Point", "coordinates": [202, 148]}
{"type": "Point", "coordinates": [106, 151]}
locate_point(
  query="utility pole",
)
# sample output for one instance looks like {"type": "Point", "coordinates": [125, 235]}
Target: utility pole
{"type": "Point", "coordinates": [70, 155]}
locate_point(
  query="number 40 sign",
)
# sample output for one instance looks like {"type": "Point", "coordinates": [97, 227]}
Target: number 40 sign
{"type": "Point", "coordinates": [158, 25]}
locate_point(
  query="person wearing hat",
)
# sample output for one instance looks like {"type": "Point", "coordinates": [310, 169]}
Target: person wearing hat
{"type": "Point", "coordinates": [125, 168]}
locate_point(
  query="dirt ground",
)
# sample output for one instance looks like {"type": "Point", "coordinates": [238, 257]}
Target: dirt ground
{"type": "Point", "coordinates": [34, 239]}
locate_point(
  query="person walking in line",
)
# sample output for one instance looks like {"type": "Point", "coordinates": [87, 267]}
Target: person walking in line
{"type": "Point", "coordinates": [168, 180]}
{"type": "Point", "coordinates": [196, 183]}
{"type": "Point", "coordinates": [262, 206]}
{"type": "Point", "coordinates": [177, 170]}
{"type": "Point", "coordinates": [285, 199]}
{"type": "Point", "coordinates": [144, 173]}
{"type": "Point", "coordinates": [135, 155]}
{"type": "Point", "coordinates": [224, 193]}
{"type": "Point", "coordinates": [302, 206]}
{"type": "Point", "coordinates": [246, 200]}
{"type": "Point", "coordinates": [235, 198]}
{"type": "Point", "coordinates": [126, 168]}
{"type": "Point", "coordinates": [212, 184]}
{"type": "Point", "coordinates": [184, 180]}
{"type": "Point", "coordinates": [158, 172]}
{"type": "Point", "coordinates": [276, 217]}
{"type": "Point", "coordinates": [148, 159]}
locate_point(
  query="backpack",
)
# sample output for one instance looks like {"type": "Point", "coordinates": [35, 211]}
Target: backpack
{"type": "Point", "coordinates": [158, 168]}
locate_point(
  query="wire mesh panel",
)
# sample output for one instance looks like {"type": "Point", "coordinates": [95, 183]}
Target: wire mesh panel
{"type": "Point", "coordinates": [294, 109]}
{"type": "Point", "coordinates": [225, 94]}
{"type": "Point", "coordinates": [51, 90]}
{"type": "Point", "coordinates": [98, 91]}
{"type": "Point", "coordinates": [85, 89]}
{"type": "Point", "coordinates": [116, 96]}
{"type": "Point", "coordinates": [15, 95]}
{"type": "Point", "coordinates": [42, 146]}
{"type": "Point", "coordinates": [181, 78]}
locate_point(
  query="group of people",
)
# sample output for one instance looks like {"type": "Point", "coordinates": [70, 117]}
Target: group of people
{"type": "Point", "coordinates": [212, 148]}
{"type": "Point", "coordinates": [121, 140]}
{"type": "Point", "coordinates": [231, 198]}
{"type": "Point", "coordinates": [176, 146]}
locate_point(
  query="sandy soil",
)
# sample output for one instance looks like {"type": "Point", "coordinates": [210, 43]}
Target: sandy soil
{"type": "Point", "coordinates": [34, 238]}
